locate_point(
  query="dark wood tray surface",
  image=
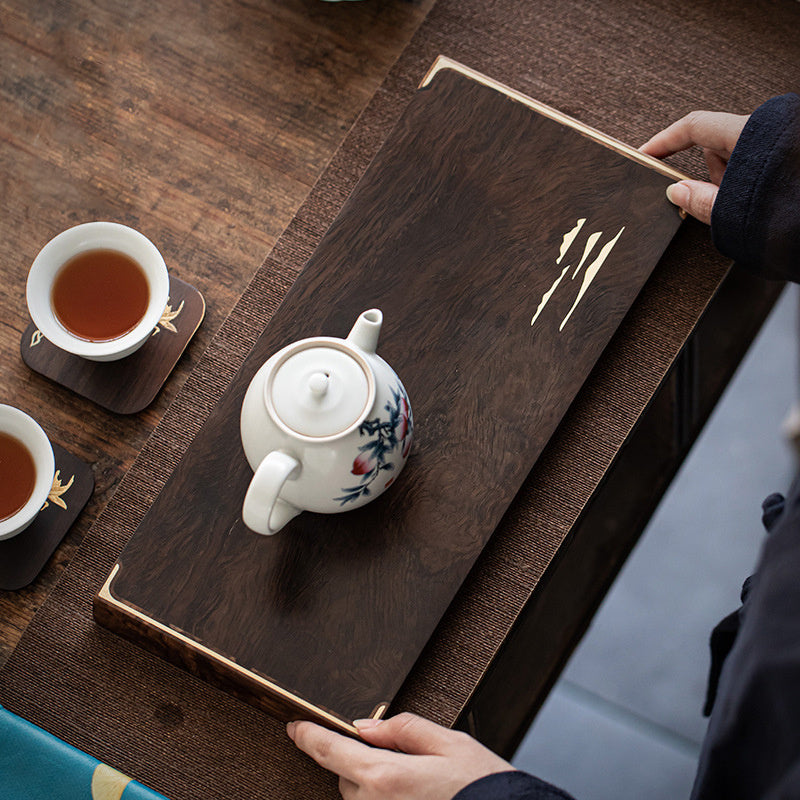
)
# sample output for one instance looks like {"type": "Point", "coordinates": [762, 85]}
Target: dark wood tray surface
{"type": "Point", "coordinates": [457, 232]}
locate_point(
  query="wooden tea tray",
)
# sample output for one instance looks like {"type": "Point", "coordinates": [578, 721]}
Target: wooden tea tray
{"type": "Point", "coordinates": [466, 232]}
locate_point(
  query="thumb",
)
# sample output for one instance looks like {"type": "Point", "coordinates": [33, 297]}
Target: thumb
{"type": "Point", "coordinates": [407, 733]}
{"type": "Point", "coordinates": [695, 197]}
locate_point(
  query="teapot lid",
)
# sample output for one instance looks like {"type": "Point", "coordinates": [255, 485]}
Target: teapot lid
{"type": "Point", "coordinates": [320, 388]}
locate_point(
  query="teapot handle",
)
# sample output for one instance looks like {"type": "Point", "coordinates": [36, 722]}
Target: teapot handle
{"type": "Point", "coordinates": [263, 511]}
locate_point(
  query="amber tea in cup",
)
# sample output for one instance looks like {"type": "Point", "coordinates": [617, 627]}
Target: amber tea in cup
{"type": "Point", "coordinates": [100, 295]}
{"type": "Point", "coordinates": [27, 466]}
{"type": "Point", "coordinates": [98, 290]}
{"type": "Point", "coordinates": [17, 475]}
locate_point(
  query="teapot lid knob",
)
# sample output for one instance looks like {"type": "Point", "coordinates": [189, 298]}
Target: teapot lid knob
{"type": "Point", "coordinates": [320, 388]}
{"type": "Point", "coordinates": [318, 383]}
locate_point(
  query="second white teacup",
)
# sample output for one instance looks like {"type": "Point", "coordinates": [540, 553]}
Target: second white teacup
{"type": "Point", "coordinates": [82, 243]}
{"type": "Point", "coordinates": [26, 470]}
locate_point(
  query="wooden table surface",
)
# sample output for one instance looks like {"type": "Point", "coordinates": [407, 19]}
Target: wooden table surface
{"type": "Point", "coordinates": [203, 125]}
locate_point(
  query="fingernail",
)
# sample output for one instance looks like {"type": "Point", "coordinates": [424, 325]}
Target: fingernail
{"type": "Point", "coordinates": [678, 194]}
{"type": "Point", "coordinates": [290, 730]}
{"type": "Point", "coordinates": [366, 724]}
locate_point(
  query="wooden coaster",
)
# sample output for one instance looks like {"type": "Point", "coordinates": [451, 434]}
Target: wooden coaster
{"type": "Point", "coordinates": [129, 385]}
{"type": "Point", "coordinates": [23, 556]}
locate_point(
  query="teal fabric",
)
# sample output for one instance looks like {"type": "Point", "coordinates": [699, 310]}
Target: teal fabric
{"type": "Point", "coordinates": [34, 765]}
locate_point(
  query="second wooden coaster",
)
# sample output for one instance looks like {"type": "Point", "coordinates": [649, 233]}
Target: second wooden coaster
{"type": "Point", "coordinates": [23, 556]}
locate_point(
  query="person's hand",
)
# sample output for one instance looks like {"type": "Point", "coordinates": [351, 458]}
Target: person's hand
{"type": "Point", "coordinates": [402, 758]}
{"type": "Point", "coordinates": [717, 133]}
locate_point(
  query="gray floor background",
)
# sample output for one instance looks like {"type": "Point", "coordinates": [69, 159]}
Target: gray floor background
{"type": "Point", "coordinates": [624, 721]}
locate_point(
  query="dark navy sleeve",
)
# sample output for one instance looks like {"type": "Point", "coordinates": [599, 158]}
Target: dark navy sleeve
{"type": "Point", "coordinates": [511, 786]}
{"type": "Point", "coordinates": [752, 746]}
{"type": "Point", "coordinates": [756, 216]}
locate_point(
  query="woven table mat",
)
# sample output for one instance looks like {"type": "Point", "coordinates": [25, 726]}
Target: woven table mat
{"type": "Point", "coordinates": [627, 67]}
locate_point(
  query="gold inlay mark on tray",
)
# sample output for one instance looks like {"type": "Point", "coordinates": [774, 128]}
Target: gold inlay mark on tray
{"type": "Point", "coordinates": [166, 319]}
{"type": "Point", "coordinates": [36, 337]}
{"type": "Point", "coordinates": [57, 491]}
{"type": "Point", "coordinates": [591, 271]}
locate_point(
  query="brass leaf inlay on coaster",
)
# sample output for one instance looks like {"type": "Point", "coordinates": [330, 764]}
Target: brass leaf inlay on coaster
{"type": "Point", "coordinates": [167, 317]}
{"type": "Point", "coordinates": [57, 491]}
{"type": "Point", "coordinates": [36, 337]}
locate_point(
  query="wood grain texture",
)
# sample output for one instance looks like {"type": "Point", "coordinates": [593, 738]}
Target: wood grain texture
{"type": "Point", "coordinates": [202, 125]}
{"type": "Point", "coordinates": [129, 385]}
{"type": "Point", "coordinates": [456, 231]}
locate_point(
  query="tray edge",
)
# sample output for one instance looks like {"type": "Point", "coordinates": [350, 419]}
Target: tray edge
{"type": "Point", "coordinates": [125, 620]}
{"type": "Point", "coordinates": [445, 62]}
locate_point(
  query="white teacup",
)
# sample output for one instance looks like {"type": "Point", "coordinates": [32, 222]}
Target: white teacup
{"type": "Point", "coordinates": [25, 429]}
{"type": "Point", "coordinates": [80, 239]}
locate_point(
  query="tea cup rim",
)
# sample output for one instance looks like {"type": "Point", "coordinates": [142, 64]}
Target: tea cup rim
{"type": "Point", "coordinates": [22, 426]}
{"type": "Point", "coordinates": [82, 238]}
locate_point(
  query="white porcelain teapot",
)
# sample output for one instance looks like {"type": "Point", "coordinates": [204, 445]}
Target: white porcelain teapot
{"type": "Point", "coordinates": [326, 426]}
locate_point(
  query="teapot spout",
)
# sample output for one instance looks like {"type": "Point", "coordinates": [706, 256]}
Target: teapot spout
{"type": "Point", "coordinates": [366, 330]}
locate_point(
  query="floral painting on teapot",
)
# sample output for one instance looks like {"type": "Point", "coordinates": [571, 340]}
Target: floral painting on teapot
{"type": "Point", "coordinates": [386, 449]}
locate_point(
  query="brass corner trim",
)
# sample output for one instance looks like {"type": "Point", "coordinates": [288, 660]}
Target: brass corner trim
{"type": "Point", "coordinates": [444, 62]}
{"type": "Point", "coordinates": [107, 597]}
